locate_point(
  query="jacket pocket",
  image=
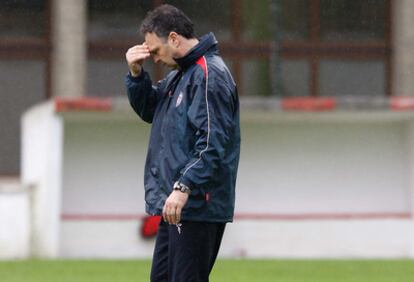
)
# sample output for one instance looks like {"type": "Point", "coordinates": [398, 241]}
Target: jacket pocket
{"type": "Point", "coordinates": [197, 200]}
{"type": "Point", "coordinates": [152, 187]}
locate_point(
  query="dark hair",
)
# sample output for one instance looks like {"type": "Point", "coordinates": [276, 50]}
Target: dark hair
{"type": "Point", "coordinates": [167, 18]}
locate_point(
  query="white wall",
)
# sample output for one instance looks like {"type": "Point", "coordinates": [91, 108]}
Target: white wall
{"type": "Point", "coordinates": [14, 220]}
{"type": "Point", "coordinates": [103, 175]}
{"type": "Point", "coordinates": [297, 166]}
{"type": "Point", "coordinates": [310, 184]}
{"type": "Point", "coordinates": [42, 171]}
{"type": "Point", "coordinates": [382, 238]}
{"type": "Point", "coordinates": [284, 168]}
{"type": "Point", "coordinates": [104, 239]}
{"type": "Point", "coordinates": [336, 167]}
{"type": "Point", "coordinates": [104, 167]}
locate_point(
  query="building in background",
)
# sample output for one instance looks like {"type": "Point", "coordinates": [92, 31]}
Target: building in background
{"type": "Point", "coordinates": [327, 48]}
{"type": "Point", "coordinates": [276, 49]}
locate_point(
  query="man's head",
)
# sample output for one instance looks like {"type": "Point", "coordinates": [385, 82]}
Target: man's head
{"type": "Point", "coordinates": [165, 19]}
{"type": "Point", "coordinates": [168, 32]}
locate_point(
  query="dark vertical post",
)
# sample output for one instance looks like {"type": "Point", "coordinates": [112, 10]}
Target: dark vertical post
{"type": "Point", "coordinates": [275, 28]}
{"type": "Point", "coordinates": [48, 56]}
{"type": "Point", "coordinates": [389, 47]}
{"type": "Point", "coordinates": [315, 38]}
{"type": "Point", "coordinates": [236, 30]}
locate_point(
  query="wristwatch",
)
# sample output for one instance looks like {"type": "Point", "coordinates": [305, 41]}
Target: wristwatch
{"type": "Point", "coordinates": [181, 187]}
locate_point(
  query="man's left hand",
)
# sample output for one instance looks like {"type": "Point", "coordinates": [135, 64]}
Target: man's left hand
{"type": "Point", "coordinates": [173, 207]}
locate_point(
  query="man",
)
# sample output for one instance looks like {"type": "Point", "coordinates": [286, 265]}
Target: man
{"type": "Point", "coordinates": [194, 148]}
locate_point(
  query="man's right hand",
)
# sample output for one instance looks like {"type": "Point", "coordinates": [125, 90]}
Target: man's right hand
{"type": "Point", "coordinates": [135, 57]}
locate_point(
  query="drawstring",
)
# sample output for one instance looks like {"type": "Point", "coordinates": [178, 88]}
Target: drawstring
{"type": "Point", "coordinates": [173, 86]}
{"type": "Point", "coordinates": [179, 227]}
{"type": "Point", "coordinates": [174, 83]}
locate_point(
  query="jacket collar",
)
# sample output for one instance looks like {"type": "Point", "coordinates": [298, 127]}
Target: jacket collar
{"type": "Point", "coordinates": [206, 44]}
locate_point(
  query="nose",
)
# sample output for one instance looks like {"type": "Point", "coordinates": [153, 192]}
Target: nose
{"type": "Point", "coordinates": [156, 59]}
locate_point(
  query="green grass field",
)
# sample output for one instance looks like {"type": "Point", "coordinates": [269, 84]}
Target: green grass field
{"type": "Point", "coordinates": [224, 271]}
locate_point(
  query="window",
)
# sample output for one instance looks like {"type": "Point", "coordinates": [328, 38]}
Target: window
{"type": "Point", "coordinates": [353, 21]}
{"type": "Point", "coordinates": [321, 44]}
{"type": "Point", "coordinates": [346, 45]}
{"type": "Point", "coordinates": [115, 20]}
{"type": "Point", "coordinates": [211, 15]}
{"type": "Point", "coordinates": [22, 19]}
{"type": "Point", "coordinates": [295, 19]}
{"type": "Point", "coordinates": [351, 77]}
{"type": "Point", "coordinates": [23, 69]}
{"type": "Point", "coordinates": [113, 27]}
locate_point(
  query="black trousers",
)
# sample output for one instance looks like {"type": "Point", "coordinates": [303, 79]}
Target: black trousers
{"type": "Point", "coordinates": [187, 253]}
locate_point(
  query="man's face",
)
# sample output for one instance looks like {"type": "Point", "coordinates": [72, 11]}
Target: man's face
{"type": "Point", "coordinates": [160, 50]}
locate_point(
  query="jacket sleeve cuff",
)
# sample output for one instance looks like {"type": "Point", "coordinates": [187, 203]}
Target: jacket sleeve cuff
{"type": "Point", "coordinates": [138, 78]}
{"type": "Point", "coordinates": [186, 182]}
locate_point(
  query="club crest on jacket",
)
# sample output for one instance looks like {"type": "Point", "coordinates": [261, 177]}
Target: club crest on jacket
{"type": "Point", "coordinates": [179, 99]}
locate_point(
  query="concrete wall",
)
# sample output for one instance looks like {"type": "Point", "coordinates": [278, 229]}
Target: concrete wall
{"type": "Point", "coordinates": [307, 187]}
{"type": "Point", "coordinates": [334, 167]}
{"type": "Point", "coordinates": [104, 165]}
{"type": "Point", "coordinates": [336, 184]}
{"type": "Point", "coordinates": [381, 238]}
{"type": "Point", "coordinates": [14, 220]}
{"type": "Point", "coordinates": [285, 167]}
{"type": "Point", "coordinates": [42, 170]}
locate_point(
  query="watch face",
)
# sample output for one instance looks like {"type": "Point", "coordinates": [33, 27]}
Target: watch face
{"type": "Point", "coordinates": [181, 187]}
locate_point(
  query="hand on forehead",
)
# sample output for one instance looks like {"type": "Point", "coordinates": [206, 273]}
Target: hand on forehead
{"type": "Point", "coordinates": [145, 45]}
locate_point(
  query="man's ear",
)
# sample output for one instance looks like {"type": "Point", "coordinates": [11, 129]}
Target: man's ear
{"type": "Point", "coordinates": [173, 39]}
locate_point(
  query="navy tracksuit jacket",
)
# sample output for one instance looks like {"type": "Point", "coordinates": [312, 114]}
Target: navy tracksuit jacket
{"type": "Point", "coordinates": [195, 135]}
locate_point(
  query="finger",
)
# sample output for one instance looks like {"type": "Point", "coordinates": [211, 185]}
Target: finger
{"type": "Point", "coordinates": [164, 213]}
{"type": "Point", "coordinates": [136, 53]}
{"type": "Point", "coordinates": [178, 215]}
{"type": "Point", "coordinates": [171, 215]}
{"type": "Point", "coordinates": [137, 58]}
{"type": "Point", "coordinates": [139, 47]}
{"type": "Point", "coordinates": [139, 52]}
